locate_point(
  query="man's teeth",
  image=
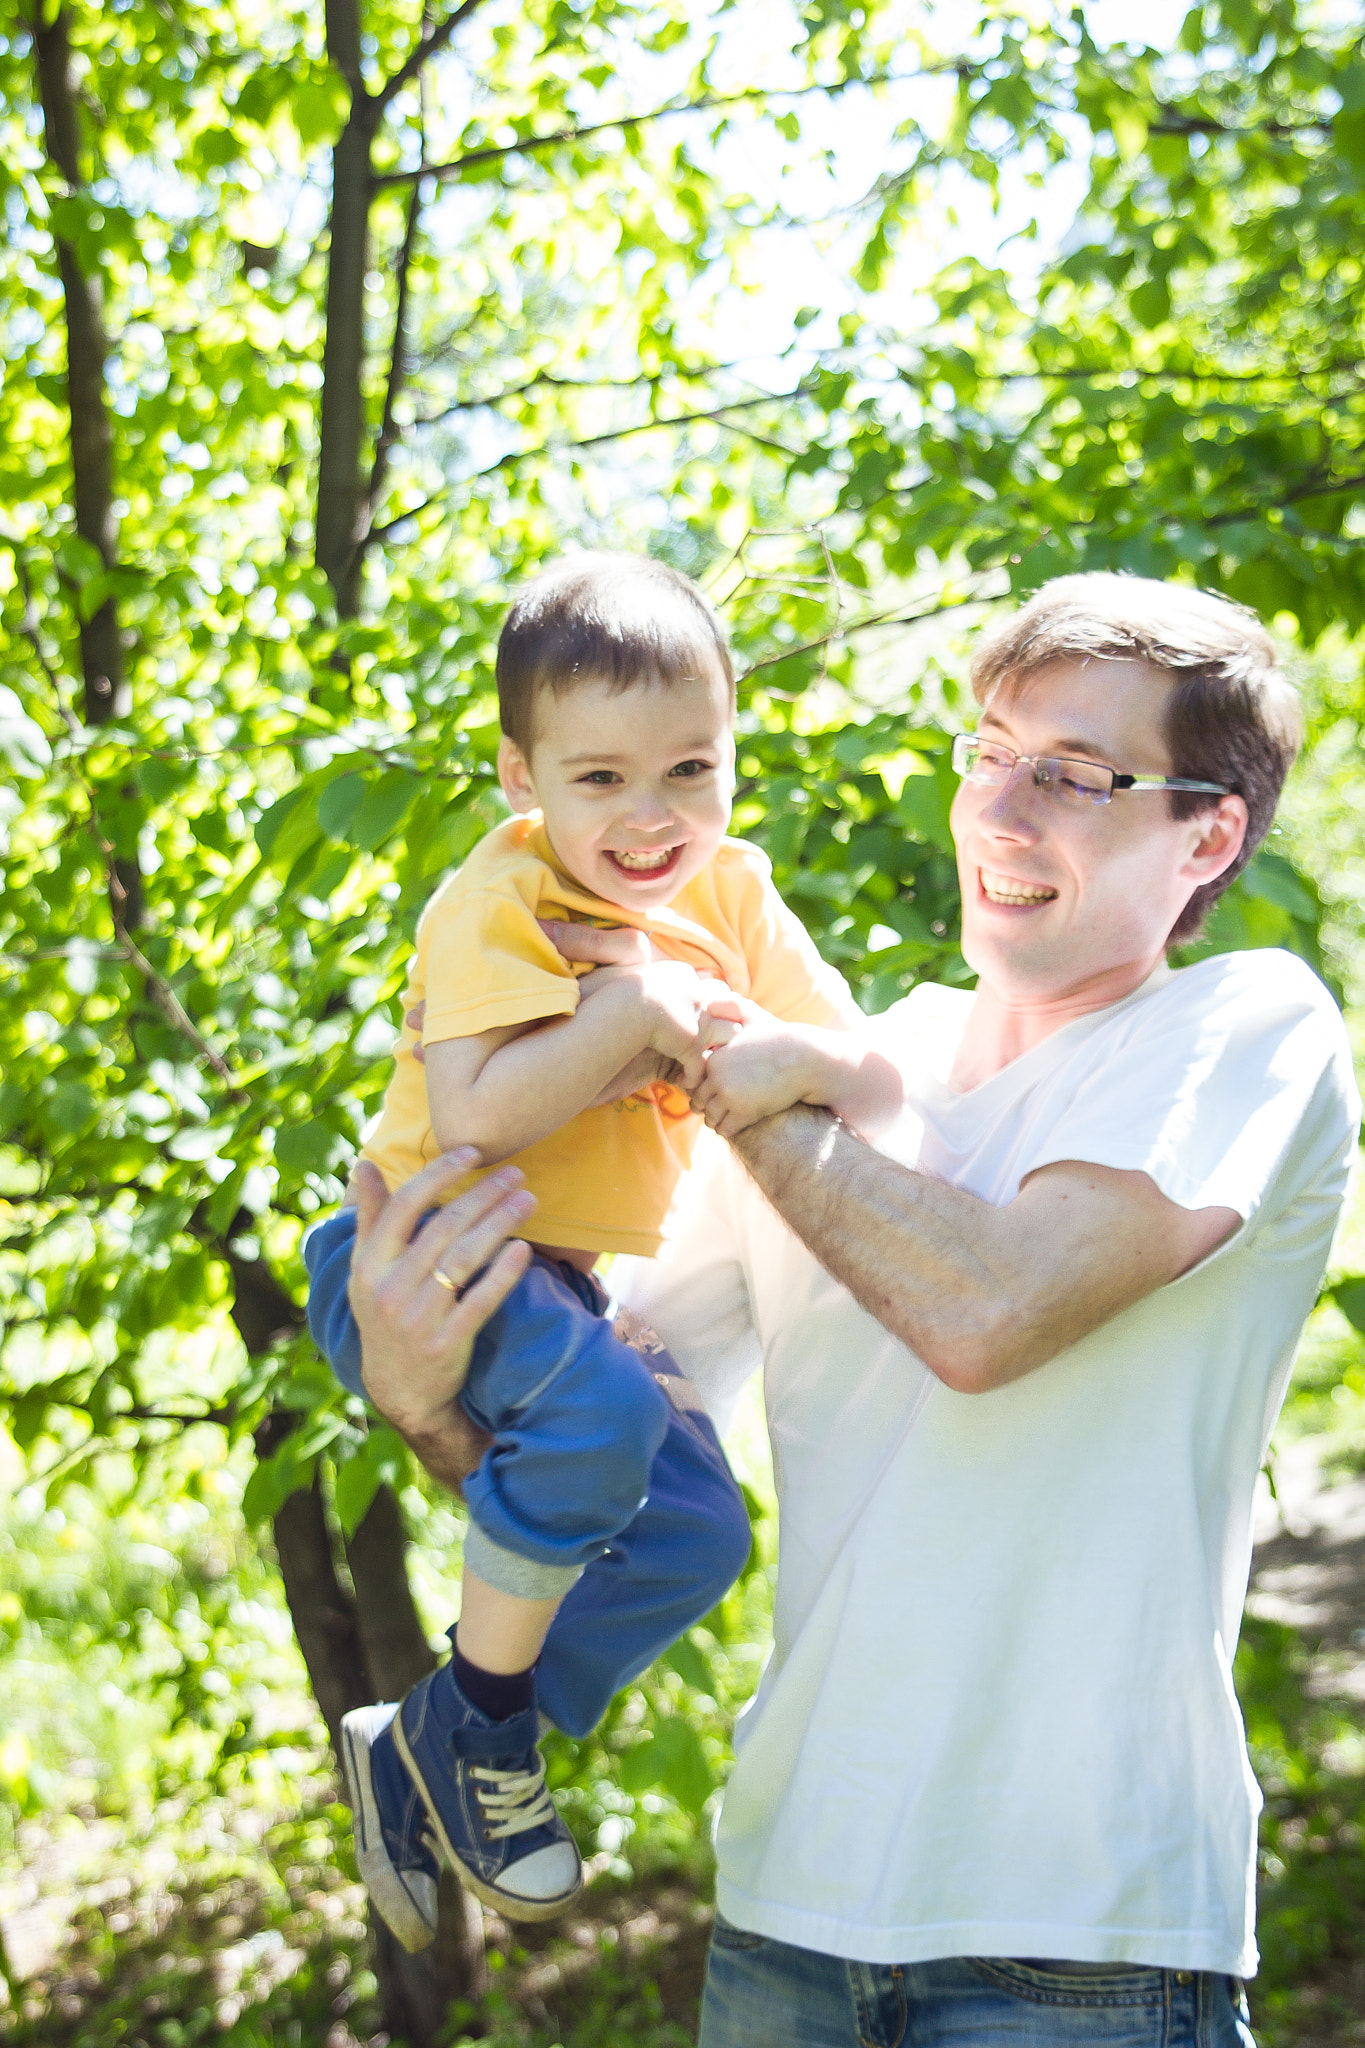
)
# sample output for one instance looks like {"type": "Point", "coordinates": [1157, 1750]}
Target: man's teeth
{"type": "Point", "coordinates": [643, 862]}
{"type": "Point", "coordinates": [1003, 889]}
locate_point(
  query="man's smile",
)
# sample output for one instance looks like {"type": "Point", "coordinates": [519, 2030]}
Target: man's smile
{"type": "Point", "coordinates": [998, 888]}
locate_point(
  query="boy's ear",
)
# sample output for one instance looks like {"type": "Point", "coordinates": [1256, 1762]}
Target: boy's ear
{"type": "Point", "coordinates": [514, 773]}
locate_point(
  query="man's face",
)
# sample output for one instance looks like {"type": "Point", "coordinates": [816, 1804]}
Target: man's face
{"type": "Point", "coordinates": [1060, 899]}
{"type": "Point", "coordinates": [635, 784]}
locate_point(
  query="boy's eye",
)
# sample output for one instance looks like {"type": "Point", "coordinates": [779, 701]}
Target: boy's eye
{"type": "Point", "coordinates": [601, 778]}
{"type": "Point", "coordinates": [687, 768]}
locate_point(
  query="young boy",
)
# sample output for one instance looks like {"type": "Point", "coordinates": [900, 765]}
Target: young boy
{"type": "Point", "coordinates": [604, 1520]}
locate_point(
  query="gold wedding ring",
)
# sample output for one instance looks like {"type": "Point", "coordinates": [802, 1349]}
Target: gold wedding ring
{"type": "Point", "coordinates": [444, 1280]}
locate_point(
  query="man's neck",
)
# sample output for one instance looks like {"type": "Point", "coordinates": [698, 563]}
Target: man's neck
{"type": "Point", "coordinates": [1005, 1024]}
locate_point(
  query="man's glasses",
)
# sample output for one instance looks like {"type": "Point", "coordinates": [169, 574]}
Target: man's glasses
{"type": "Point", "coordinates": [990, 765]}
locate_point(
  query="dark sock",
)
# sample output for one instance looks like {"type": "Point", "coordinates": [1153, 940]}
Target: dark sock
{"type": "Point", "coordinates": [499, 1694]}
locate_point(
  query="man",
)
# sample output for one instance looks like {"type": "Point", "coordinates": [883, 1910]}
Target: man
{"type": "Point", "coordinates": [994, 1786]}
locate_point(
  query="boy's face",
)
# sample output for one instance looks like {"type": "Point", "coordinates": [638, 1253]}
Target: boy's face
{"type": "Point", "coordinates": [635, 784]}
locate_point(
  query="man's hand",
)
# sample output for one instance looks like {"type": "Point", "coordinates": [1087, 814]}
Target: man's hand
{"type": "Point", "coordinates": [417, 1331]}
{"type": "Point", "coordinates": [764, 1068]}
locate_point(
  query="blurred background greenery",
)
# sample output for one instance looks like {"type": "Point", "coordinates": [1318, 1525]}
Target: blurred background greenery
{"type": "Point", "coordinates": [320, 329]}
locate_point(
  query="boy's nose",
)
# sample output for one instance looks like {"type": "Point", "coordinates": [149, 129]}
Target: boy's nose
{"type": "Point", "coordinates": [647, 812]}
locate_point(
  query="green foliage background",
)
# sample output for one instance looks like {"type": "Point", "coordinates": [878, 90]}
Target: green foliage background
{"type": "Point", "coordinates": [1142, 351]}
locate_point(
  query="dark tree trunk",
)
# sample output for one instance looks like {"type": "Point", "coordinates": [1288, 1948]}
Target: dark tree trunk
{"type": "Point", "coordinates": [397, 1653]}
{"type": "Point", "coordinates": [341, 491]}
{"type": "Point", "coordinates": [356, 1650]}
{"type": "Point", "coordinates": [104, 679]}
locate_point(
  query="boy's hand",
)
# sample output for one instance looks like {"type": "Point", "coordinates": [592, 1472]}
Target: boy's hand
{"type": "Point", "coordinates": [678, 1012]}
{"type": "Point", "coordinates": [765, 1067]}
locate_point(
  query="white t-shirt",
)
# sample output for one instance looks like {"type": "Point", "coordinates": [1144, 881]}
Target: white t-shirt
{"type": "Point", "coordinates": [998, 1718]}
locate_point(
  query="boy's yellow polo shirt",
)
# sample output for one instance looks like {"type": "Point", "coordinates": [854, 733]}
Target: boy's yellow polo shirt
{"type": "Point", "coordinates": [604, 1181]}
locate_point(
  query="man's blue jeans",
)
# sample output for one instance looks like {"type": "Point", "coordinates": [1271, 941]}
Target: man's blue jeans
{"type": "Point", "coordinates": [761, 1993]}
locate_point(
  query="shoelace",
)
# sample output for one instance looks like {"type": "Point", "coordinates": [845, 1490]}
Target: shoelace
{"type": "Point", "coordinates": [516, 1800]}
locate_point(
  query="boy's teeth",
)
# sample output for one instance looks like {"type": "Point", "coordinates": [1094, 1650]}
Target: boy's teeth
{"type": "Point", "coordinates": [645, 861]}
{"type": "Point", "coordinates": [1003, 889]}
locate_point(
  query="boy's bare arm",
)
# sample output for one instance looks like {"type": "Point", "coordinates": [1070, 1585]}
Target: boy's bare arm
{"type": "Point", "coordinates": [506, 1089]}
{"type": "Point", "coordinates": [770, 1066]}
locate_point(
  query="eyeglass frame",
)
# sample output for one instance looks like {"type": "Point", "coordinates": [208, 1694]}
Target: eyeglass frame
{"type": "Point", "coordinates": [1041, 762]}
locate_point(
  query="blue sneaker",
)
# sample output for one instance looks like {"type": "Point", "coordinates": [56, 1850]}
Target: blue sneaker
{"type": "Point", "coordinates": [484, 1787]}
{"type": "Point", "coordinates": [394, 1846]}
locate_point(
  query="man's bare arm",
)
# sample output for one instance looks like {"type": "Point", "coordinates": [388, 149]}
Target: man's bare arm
{"type": "Point", "coordinates": [982, 1294]}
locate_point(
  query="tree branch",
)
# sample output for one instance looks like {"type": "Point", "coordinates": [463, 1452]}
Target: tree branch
{"type": "Point", "coordinates": [1176, 123]}
{"type": "Point", "coordinates": [1325, 487]}
{"type": "Point", "coordinates": [547, 379]}
{"type": "Point", "coordinates": [158, 988]}
{"type": "Point", "coordinates": [846, 630]}
{"type": "Point", "coordinates": [431, 42]}
{"type": "Point", "coordinates": [388, 429]}
{"type": "Point", "coordinates": [494, 153]}
{"type": "Point", "coordinates": [682, 419]}
{"type": "Point", "coordinates": [30, 629]}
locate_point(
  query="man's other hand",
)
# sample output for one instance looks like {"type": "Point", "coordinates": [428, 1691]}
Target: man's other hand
{"type": "Point", "coordinates": [416, 1300]}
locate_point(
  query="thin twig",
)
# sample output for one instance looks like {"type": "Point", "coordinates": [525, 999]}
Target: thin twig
{"type": "Point", "coordinates": [547, 379]}
{"type": "Point", "coordinates": [681, 419]}
{"type": "Point", "coordinates": [429, 44]}
{"type": "Point", "coordinates": [495, 153]}
{"type": "Point", "coordinates": [158, 988]}
{"type": "Point", "coordinates": [32, 633]}
{"type": "Point", "coordinates": [953, 604]}
{"type": "Point", "coordinates": [388, 426]}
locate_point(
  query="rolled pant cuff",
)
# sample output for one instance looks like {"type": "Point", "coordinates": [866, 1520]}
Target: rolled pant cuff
{"type": "Point", "coordinates": [522, 1577]}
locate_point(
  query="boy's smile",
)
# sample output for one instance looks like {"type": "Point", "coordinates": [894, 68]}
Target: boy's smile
{"type": "Point", "coordinates": [635, 784]}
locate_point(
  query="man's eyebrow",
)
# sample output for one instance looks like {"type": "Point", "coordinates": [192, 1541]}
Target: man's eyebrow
{"type": "Point", "coordinates": [1079, 746]}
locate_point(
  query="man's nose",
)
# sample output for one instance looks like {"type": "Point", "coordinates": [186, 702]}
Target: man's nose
{"type": "Point", "coordinates": [1014, 805]}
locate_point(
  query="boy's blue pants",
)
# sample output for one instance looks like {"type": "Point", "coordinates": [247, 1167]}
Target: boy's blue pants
{"type": "Point", "coordinates": [604, 1483]}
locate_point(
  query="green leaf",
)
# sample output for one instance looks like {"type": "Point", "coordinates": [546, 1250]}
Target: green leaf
{"type": "Point", "coordinates": [689, 1661]}
{"type": "Point", "coordinates": [338, 803]}
{"type": "Point", "coordinates": [381, 1459]}
{"type": "Point", "coordinates": [384, 808]}
{"type": "Point", "coordinates": [309, 1147]}
{"type": "Point", "coordinates": [672, 1760]}
{"type": "Point", "coordinates": [1349, 1296]}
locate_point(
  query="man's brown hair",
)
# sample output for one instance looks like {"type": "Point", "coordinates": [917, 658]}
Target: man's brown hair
{"type": "Point", "coordinates": [1232, 717]}
{"type": "Point", "coordinates": [618, 619]}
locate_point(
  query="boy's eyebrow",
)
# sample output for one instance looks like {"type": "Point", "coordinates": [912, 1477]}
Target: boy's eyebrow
{"type": "Point", "coordinates": [611, 760]}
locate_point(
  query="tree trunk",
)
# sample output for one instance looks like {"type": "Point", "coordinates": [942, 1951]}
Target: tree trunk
{"type": "Point", "coordinates": [396, 1649]}
{"type": "Point", "coordinates": [357, 1650]}
{"type": "Point", "coordinates": [341, 492]}
{"type": "Point", "coordinates": [105, 684]}
{"type": "Point", "coordinates": [87, 347]}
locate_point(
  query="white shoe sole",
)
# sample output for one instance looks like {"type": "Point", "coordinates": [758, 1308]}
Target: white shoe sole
{"type": "Point", "coordinates": [406, 1904]}
{"type": "Point", "coordinates": [507, 1904]}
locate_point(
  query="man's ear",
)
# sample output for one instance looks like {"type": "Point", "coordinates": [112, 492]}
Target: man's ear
{"type": "Point", "coordinates": [1221, 834]}
{"type": "Point", "coordinates": [514, 773]}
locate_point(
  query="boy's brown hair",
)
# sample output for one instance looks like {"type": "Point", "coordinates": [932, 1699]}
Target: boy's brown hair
{"type": "Point", "coordinates": [619, 619]}
{"type": "Point", "coordinates": [1232, 717]}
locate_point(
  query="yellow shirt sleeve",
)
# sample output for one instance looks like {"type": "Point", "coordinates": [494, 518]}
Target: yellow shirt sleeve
{"type": "Point", "coordinates": [483, 961]}
{"type": "Point", "coordinates": [787, 976]}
